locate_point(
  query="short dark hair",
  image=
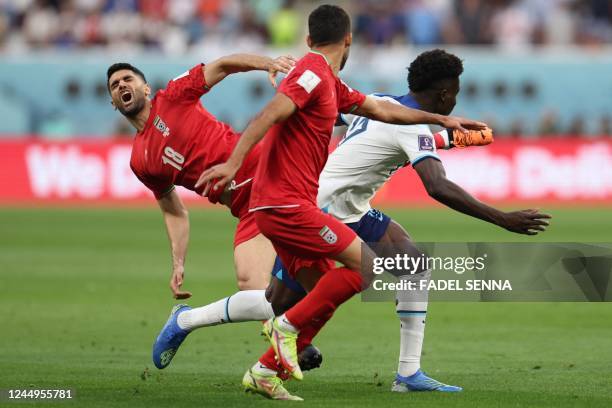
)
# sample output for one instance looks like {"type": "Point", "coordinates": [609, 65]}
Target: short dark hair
{"type": "Point", "coordinates": [431, 67]}
{"type": "Point", "coordinates": [123, 65]}
{"type": "Point", "coordinates": [328, 24]}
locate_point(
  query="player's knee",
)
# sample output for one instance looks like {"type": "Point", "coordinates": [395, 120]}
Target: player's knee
{"type": "Point", "coordinates": [250, 278]}
{"type": "Point", "coordinates": [246, 282]}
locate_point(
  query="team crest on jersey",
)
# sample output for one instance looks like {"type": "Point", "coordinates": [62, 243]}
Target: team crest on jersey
{"type": "Point", "coordinates": [426, 143]}
{"type": "Point", "coordinates": [328, 235]}
{"type": "Point", "coordinates": [308, 80]}
{"type": "Point", "coordinates": [161, 126]}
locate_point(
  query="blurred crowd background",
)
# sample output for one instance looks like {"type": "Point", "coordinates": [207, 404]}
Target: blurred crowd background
{"type": "Point", "coordinates": [175, 26]}
{"type": "Point", "coordinates": [533, 67]}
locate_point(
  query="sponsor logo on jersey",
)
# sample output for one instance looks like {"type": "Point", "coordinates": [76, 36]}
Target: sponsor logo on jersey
{"type": "Point", "coordinates": [308, 80]}
{"type": "Point", "coordinates": [161, 126]}
{"type": "Point", "coordinates": [426, 143]}
{"type": "Point", "coordinates": [328, 235]}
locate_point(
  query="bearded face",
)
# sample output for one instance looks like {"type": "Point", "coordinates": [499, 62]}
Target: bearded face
{"type": "Point", "coordinates": [129, 92]}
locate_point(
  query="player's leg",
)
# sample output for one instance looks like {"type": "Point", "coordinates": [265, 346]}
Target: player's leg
{"type": "Point", "coordinates": [284, 292]}
{"type": "Point", "coordinates": [334, 288]}
{"type": "Point", "coordinates": [254, 260]}
{"type": "Point", "coordinates": [411, 309]}
{"type": "Point", "coordinates": [254, 257]}
{"type": "Point", "coordinates": [247, 305]}
{"type": "Point", "coordinates": [244, 305]}
{"type": "Point", "coordinates": [302, 237]}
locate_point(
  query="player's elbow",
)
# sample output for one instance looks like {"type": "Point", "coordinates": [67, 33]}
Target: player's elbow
{"type": "Point", "coordinates": [436, 190]}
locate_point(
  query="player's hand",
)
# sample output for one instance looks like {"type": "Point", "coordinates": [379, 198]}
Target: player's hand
{"type": "Point", "coordinates": [217, 177]}
{"type": "Point", "coordinates": [472, 137]}
{"type": "Point", "coordinates": [461, 124]}
{"type": "Point", "coordinates": [282, 64]}
{"type": "Point", "coordinates": [528, 222]}
{"type": "Point", "coordinates": [176, 281]}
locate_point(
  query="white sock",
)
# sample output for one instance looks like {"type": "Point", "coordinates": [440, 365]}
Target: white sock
{"type": "Point", "coordinates": [262, 369]}
{"type": "Point", "coordinates": [411, 308]}
{"type": "Point", "coordinates": [286, 324]}
{"type": "Point", "coordinates": [243, 306]}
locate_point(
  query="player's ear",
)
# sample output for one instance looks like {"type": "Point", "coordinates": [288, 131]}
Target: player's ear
{"type": "Point", "coordinates": [443, 95]}
{"type": "Point", "coordinates": [147, 90]}
{"type": "Point", "coordinates": [348, 40]}
{"type": "Point", "coordinates": [309, 41]}
{"type": "Point", "coordinates": [113, 104]}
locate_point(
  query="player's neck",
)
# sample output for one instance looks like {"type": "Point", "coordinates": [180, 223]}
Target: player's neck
{"type": "Point", "coordinates": [139, 121]}
{"type": "Point", "coordinates": [333, 55]}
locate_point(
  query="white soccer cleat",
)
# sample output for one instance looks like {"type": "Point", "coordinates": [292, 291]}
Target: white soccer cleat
{"type": "Point", "coordinates": [284, 343]}
{"type": "Point", "coordinates": [270, 386]}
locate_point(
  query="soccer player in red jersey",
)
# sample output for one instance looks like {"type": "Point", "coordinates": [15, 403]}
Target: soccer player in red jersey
{"type": "Point", "coordinates": [298, 122]}
{"type": "Point", "coordinates": [176, 140]}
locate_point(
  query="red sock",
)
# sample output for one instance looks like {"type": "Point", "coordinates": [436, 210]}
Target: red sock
{"type": "Point", "coordinates": [309, 332]}
{"type": "Point", "coordinates": [268, 359]}
{"type": "Point", "coordinates": [334, 288]}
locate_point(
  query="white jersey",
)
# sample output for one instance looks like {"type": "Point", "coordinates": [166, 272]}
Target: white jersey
{"type": "Point", "coordinates": [365, 159]}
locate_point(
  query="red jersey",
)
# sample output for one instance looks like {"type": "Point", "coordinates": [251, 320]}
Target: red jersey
{"type": "Point", "coordinates": [181, 139]}
{"type": "Point", "coordinates": [294, 152]}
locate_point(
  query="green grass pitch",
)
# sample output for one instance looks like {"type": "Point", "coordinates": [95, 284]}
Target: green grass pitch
{"type": "Point", "coordinates": [83, 293]}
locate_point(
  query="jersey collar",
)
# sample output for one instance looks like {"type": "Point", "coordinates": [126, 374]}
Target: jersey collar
{"type": "Point", "coordinates": [321, 54]}
{"type": "Point", "coordinates": [406, 100]}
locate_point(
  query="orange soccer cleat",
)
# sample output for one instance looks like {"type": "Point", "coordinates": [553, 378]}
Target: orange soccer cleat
{"type": "Point", "coordinates": [472, 138]}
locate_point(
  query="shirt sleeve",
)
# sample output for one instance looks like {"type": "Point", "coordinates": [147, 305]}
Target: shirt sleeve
{"type": "Point", "coordinates": [157, 187]}
{"type": "Point", "coordinates": [349, 99]}
{"type": "Point", "coordinates": [189, 86]}
{"type": "Point", "coordinates": [417, 142]}
{"type": "Point", "coordinates": [301, 86]}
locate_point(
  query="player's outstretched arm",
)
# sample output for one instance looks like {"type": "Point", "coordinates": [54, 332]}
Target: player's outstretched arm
{"type": "Point", "coordinates": [441, 189]}
{"type": "Point", "coordinates": [217, 70]}
{"type": "Point", "coordinates": [176, 218]}
{"type": "Point", "coordinates": [385, 111]}
{"type": "Point", "coordinates": [277, 110]}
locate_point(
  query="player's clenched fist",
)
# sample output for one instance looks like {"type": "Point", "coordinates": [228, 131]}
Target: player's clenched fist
{"type": "Point", "coordinates": [222, 173]}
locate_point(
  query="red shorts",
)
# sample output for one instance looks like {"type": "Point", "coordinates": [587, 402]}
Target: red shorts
{"type": "Point", "coordinates": [304, 236]}
{"type": "Point", "coordinates": [246, 229]}
{"type": "Point", "coordinates": [241, 194]}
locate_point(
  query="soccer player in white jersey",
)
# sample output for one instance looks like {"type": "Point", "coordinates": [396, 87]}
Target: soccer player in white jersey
{"type": "Point", "coordinates": [366, 158]}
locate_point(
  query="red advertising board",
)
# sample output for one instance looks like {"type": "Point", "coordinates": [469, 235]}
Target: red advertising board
{"type": "Point", "coordinates": [568, 170]}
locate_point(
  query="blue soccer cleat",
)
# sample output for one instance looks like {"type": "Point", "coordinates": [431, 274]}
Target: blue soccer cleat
{"type": "Point", "coordinates": [169, 339]}
{"type": "Point", "coordinates": [419, 381]}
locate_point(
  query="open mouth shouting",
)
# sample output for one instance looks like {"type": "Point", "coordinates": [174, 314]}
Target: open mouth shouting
{"type": "Point", "coordinates": [126, 98]}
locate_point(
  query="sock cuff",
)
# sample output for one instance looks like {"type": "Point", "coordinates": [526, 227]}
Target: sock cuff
{"type": "Point", "coordinates": [411, 313]}
{"type": "Point", "coordinates": [227, 316]}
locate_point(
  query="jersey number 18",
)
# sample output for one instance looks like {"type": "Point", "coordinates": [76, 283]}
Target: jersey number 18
{"type": "Point", "coordinates": [173, 158]}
